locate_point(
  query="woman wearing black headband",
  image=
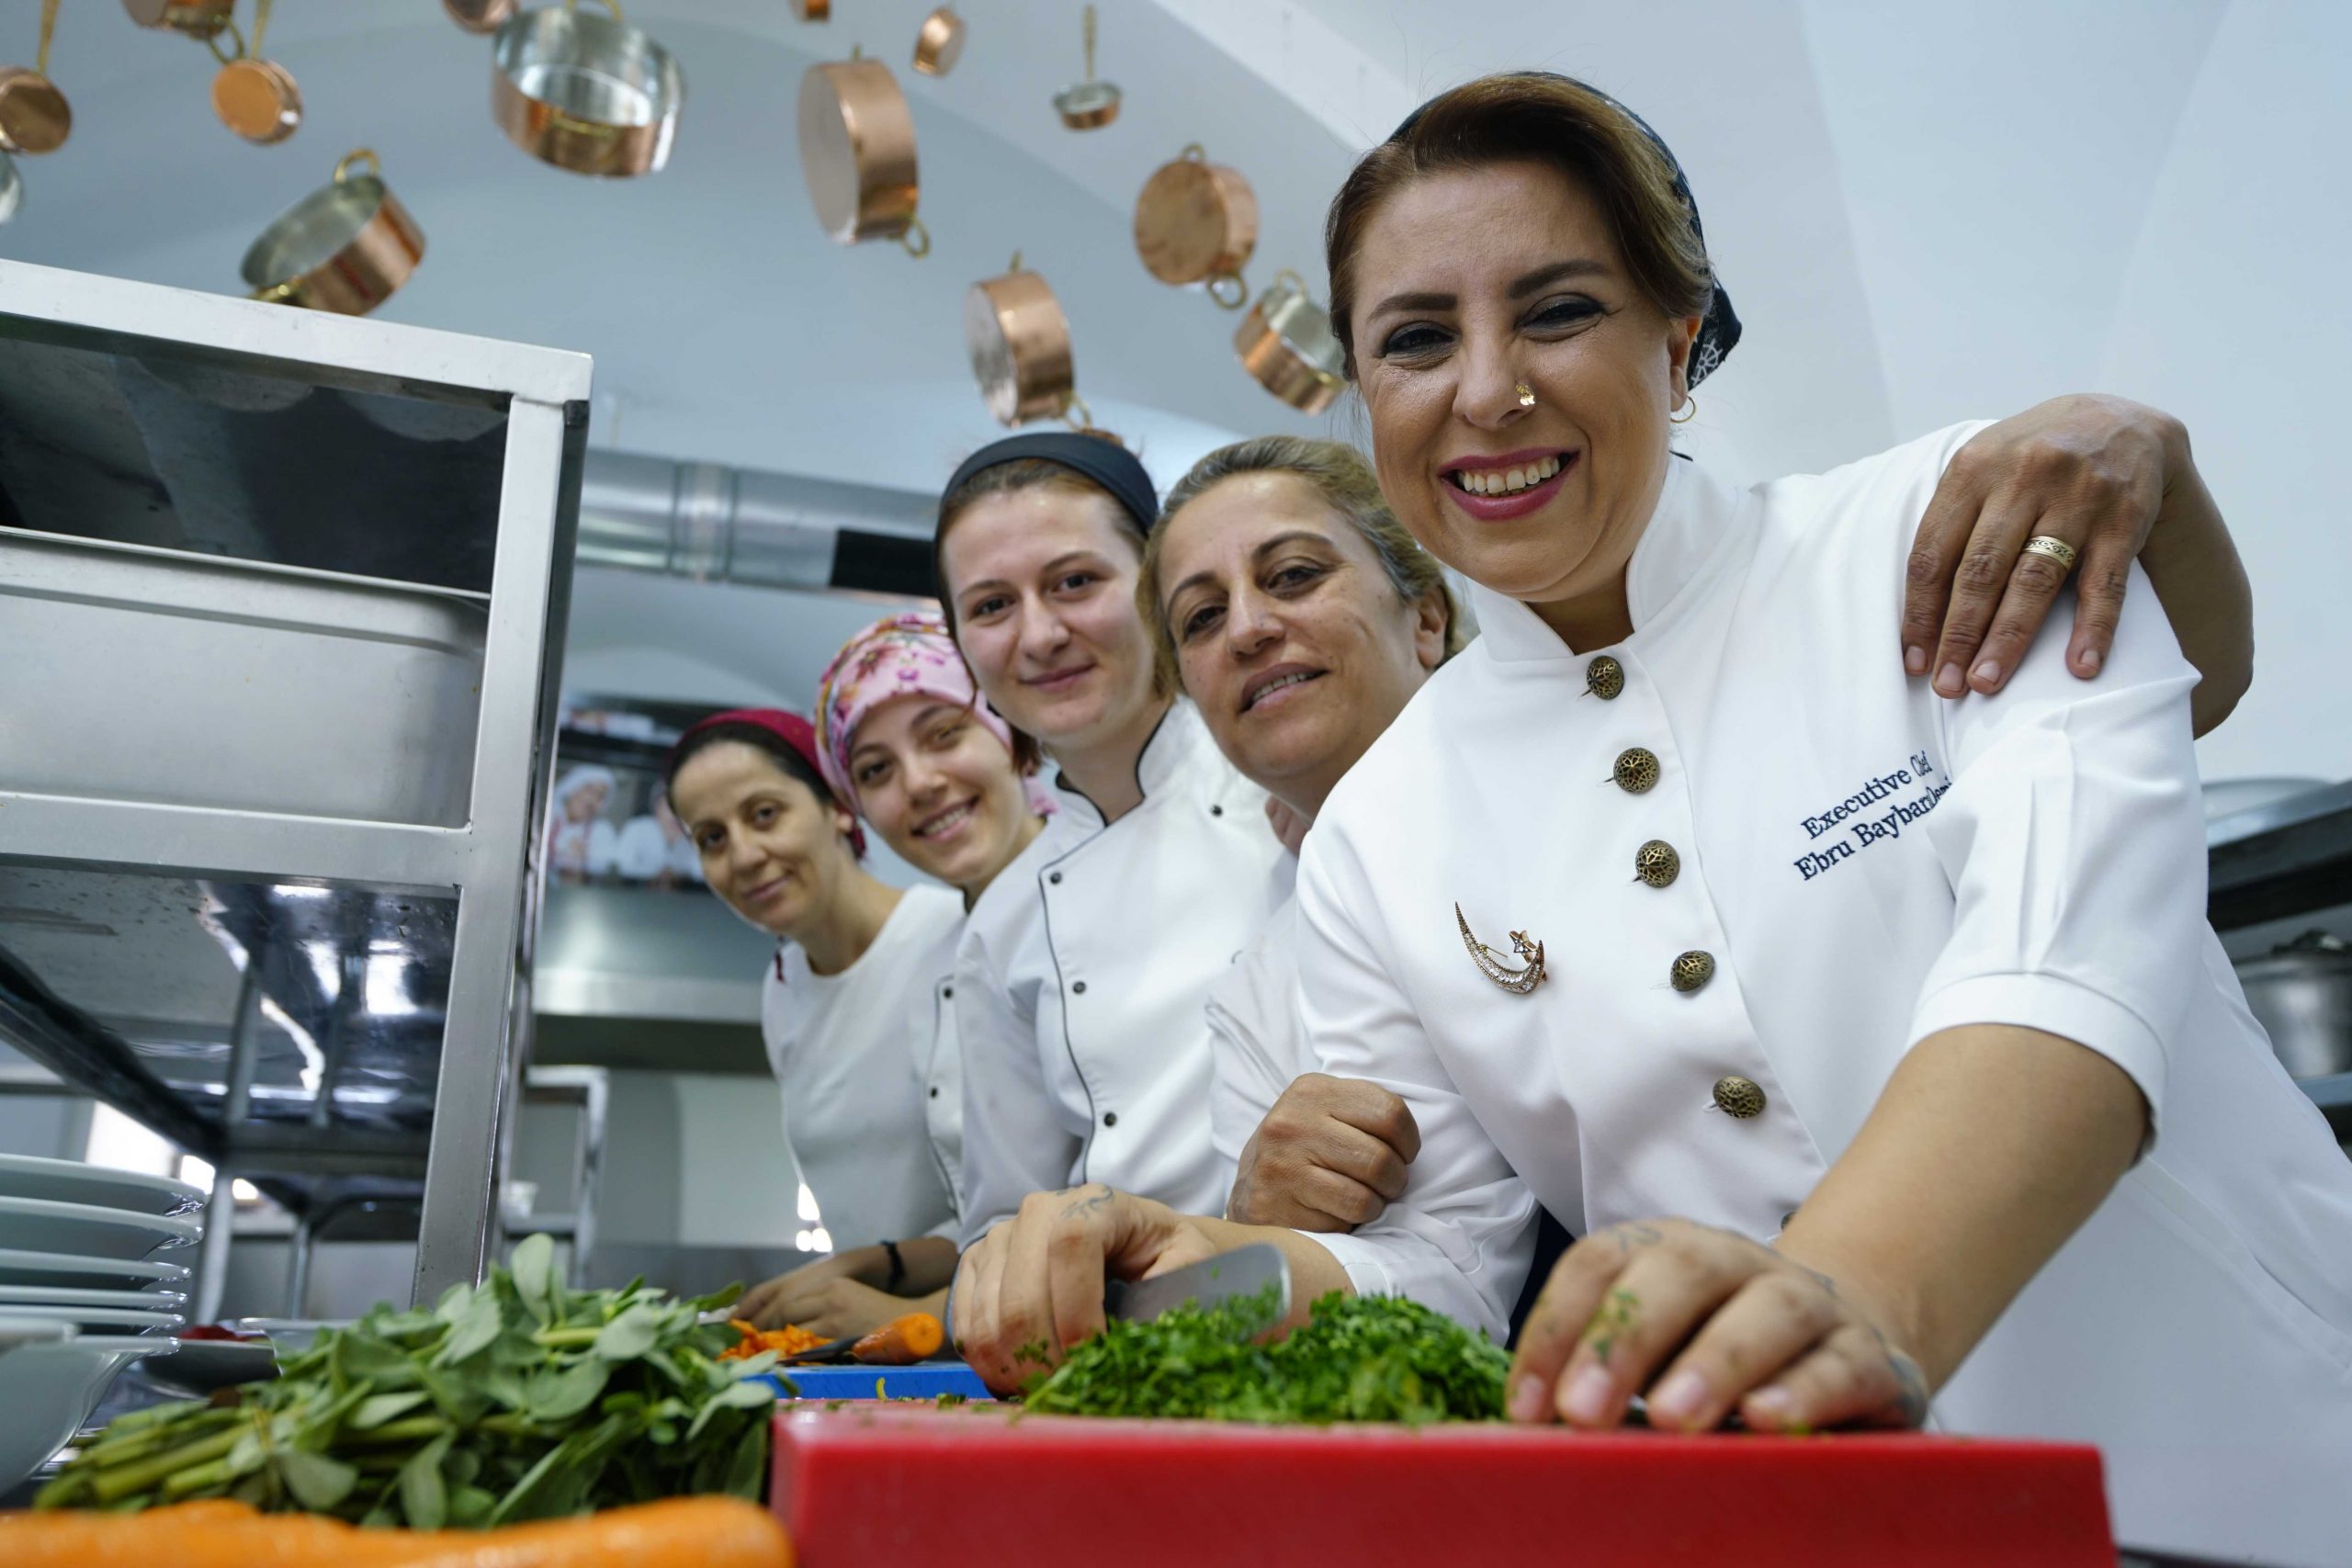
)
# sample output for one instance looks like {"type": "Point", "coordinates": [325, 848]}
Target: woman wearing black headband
{"type": "Point", "coordinates": [1873, 1041]}
{"type": "Point", "coordinates": [1081, 978]}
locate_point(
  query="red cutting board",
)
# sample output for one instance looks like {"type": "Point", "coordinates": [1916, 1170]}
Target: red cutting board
{"type": "Point", "coordinates": [874, 1486]}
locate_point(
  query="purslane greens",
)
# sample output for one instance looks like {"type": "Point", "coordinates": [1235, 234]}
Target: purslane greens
{"type": "Point", "coordinates": [519, 1399]}
{"type": "Point", "coordinates": [1356, 1358]}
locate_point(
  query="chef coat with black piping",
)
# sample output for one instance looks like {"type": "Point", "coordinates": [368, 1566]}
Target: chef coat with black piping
{"type": "Point", "coordinates": [1762, 864]}
{"type": "Point", "coordinates": [1081, 978]}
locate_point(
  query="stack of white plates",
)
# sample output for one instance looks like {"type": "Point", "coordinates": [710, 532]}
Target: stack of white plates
{"type": "Point", "coordinates": [81, 1297]}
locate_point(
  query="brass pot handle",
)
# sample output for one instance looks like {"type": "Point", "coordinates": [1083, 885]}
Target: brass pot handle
{"type": "Point", "coordinates": [1227, 289]}
{"type": "Point", "coordinates": [1297, 284]}
{"type": "Point", "coordinates": [916, 238]}
{"type": "Point", "coordinates": [343, 169]}
{"type": "Point", "coordinates": [1193, 152]}
{"type": "Point", "coordinates": [277, 293]}
{"type": "Point", "coordinates": [612, 5]}
{"type": "Point", "coordinates": [1085, 419]}
{"type": "Point", "coordinates": [212, 42]}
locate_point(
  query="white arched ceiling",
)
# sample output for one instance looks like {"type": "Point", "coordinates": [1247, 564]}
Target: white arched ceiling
{"type": "Point", "coordinates": [1924, 214]}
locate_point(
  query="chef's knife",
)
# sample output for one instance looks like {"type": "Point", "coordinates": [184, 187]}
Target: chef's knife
{"type": "Point", "coordinates": [1208, 1283]}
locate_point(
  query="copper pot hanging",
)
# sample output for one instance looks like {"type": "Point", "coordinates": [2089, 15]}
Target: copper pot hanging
{"type": "Point", "coordinates": [483, 16]}
{"type": "Point", "coordinates": [345, 247]}
{"type": "Point", "coordinates": [1286, 342]}
{"type": "Point", "coordinates": [813, 10]}
{"type": "Point", "coordinates": [1197, 222]}
{"type": "Point", "coordinates": [939, 42]}
{"type": "Point", "coordinates": [857, 153]}
{"type": "Point", "coordinates": [586, 93]}
{"type": "Point", "coordinates": [1021, 349]}
{"type": "Point", "coordinates": [34, 116]}
{"type": "Point", "coordinates": [1089, 104]}
{"type": "Point", "coordinates": [257, 98]}
{"type": "Point", "coordinates": [198, 18]}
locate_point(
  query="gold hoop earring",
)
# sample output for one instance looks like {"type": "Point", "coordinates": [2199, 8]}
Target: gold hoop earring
{"type": "Point", "coordinates": [1688, 412]}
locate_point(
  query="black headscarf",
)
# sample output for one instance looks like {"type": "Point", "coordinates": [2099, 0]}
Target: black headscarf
{"type": "Point", "coordinates": [1719, 330]}
{"type": "Point", "coordinates": [1107, 463]}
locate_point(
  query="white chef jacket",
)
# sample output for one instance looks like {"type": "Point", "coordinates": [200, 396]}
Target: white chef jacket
{"type": "Point", "coordinates": [871, 1079]}
{"type": "Point", "coordinates": [1256, 1044]}
{"type": "Point", "coordinates": [1867, 865]}
{"type": "Point", "coordinates": [1080, 981]}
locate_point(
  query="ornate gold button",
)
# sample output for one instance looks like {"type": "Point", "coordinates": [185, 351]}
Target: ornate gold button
{"type": "Point", "coordinates": [1656, 863]}
{"type": "Point", "coordinates": [1739, 1098]}
{"type": "Point", "coordinates": [1637, 770]}
{"type": "Point", "coordinates": [1604, 678]}
{"type": "Point", "coordinates": [1692, 970]}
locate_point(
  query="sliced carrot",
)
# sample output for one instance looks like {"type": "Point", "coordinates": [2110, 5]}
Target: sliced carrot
{"type": "Point", "coordinates": [902, 1341]}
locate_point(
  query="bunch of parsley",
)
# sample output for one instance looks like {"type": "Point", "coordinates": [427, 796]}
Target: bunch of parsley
{"type": "Point", "coordinates": [1356, 1358]}
{"type": "Point", "coordinates": [516, 1399]}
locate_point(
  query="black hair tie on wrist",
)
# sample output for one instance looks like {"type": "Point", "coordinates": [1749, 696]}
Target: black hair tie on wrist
{"type": "Point", "coordinates": [897, 1268]}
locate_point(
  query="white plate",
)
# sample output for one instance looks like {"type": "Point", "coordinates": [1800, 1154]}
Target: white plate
{"type": "Point", "coordinates": [70, 1272]}
{"type": "Point", "coordinates": [201, 1366]}
{"type": "Point", "coordinates": [17, 1299]}
{"type": "Point", "coordinates": [97, 1320]}
{"type": "Point", "coordinates": [49, 1390]}
{"type": "Point", "coordinates": [71, 1181]}
{"type": "Point", "coordinates": [36, 1225]}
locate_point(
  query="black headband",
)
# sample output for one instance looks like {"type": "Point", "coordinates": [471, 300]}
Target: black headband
{"type": "Point", "coordinates": [1719, 330]}
{"type": "Point", "coordinates": [1107, 463]}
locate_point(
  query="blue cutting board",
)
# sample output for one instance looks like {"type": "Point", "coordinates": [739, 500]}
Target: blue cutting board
{"type": "Point", "coordinates": [925, 1379]}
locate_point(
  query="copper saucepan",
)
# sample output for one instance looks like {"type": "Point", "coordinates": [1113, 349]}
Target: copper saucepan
{"type": "Point", "coordinates": [1286, 342]}
{"type": "Point", "coordinates": [813, 10]}
{"type": "Point", "coordinates": [1197, 222]}
{"type": "Point", "coordinates": [345, 247]}
{"type": "Point", "coordinates": [484, 17]}
{"type": "Point", "coordinates": [34, 115]}
{"type": "Point", "coordinates": [857, 153]}
{"type": "Point", "coordinates": [1091, 104]}
{"type": "Point", "coordinates": [198, 18]}
{"type": "Point", "coordinates": [939, 42]}
{"type": "Point", "coordinates": [1021, 349]}
{"type": "Point", "coordinates": [586, 93]}
{"type": "Point", "coordinates": [255, 97]}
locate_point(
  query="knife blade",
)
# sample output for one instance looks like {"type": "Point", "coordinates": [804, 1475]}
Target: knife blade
{"type": "Point", "coordinates": [1210, 1283]}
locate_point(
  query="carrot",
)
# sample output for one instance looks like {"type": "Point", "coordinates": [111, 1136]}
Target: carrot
{"type": "Point", "coordinates": [679, 1532]}
{"type": "Point", "coordinates": [902, 1341]}
{"type": "Point", "coordinates": [703, 1532]}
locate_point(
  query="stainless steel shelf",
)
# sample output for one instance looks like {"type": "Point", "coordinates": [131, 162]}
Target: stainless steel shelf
{"type": "Point", "coordinates": [282, 593]}
{"type": "Point", "coordinates": [2290, 857]}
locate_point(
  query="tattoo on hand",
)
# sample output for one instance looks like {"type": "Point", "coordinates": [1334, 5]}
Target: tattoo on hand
{"type": "Point", "coordinates": [1615, 1317]}
{"type": "Point", "coordinates": [1630, 1236]}
{"type": "Point", "coordinates": [1097, 1198]}
{"type": "Point", "coordinates": [1911, 1398]}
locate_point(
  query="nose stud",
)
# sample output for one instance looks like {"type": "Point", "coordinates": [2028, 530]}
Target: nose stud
{"type": "Point", "coordinates": [1526, 396]}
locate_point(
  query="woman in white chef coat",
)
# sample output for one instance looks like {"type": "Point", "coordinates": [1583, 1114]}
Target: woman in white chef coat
{"type": "Point", "coordinates": [1082, 971]}
{"type": "Point", "coordinates": [904, 739]}
{"type": "Point", "coordinates": [850, 1010]}
{"type": "Point", "coordinates": [580, 843]}
{"type": "Point", "coordinates": [1874, 1041]}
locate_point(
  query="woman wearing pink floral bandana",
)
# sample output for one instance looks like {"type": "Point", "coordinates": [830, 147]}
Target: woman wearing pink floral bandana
{"type": "Point", "coordinates": [866, 1055]}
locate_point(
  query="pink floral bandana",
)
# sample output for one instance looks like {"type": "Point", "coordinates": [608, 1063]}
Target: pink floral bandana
{"type": "Point", "coordinates": [898, 656]}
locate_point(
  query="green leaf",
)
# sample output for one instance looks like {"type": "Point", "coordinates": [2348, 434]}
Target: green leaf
{"type": "Point", "coordinates": [632, 1333]}
{"type": "Point", "coordinates": [317, 1482]}
{"type": "Point", "coordinates": [734, 1397]}
{"type": "Point", "coordinates": [424, 1499]}
{"type": "Point", "coordinates": [557, 1393]}
{"type": "Point", "coordinates": [747, 1471]}
{"type": "Point", "coordinates": [470, 1507]}
{"type": "Point", "coordinates": [361, 1357]}
{"type": "Point", "coordinates": [536, 1278]}
{"type": "Point", "coordinates": [379, 1409]}
{"type": "Point", "coordinates": [717, 1299]}
{"type": "Point", "coordinates": [472, 1330]}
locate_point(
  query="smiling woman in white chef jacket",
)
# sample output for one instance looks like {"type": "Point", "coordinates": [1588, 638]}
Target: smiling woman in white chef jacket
{"type": "Point", "coordinates": [1874, 1042]}
{"type": "Point", "coordinates": [1079, 983]}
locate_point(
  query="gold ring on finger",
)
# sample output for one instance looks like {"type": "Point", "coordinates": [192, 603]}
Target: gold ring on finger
{"type": "Point", "coordinates": [2057, 549]}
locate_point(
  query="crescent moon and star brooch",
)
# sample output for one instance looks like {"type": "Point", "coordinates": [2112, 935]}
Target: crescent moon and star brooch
{"type": "Point", "coordinates": [1519, 980]}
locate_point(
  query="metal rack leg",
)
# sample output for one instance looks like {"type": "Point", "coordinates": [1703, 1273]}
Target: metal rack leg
{"type": "Point", "coordinates": [221, 1213]}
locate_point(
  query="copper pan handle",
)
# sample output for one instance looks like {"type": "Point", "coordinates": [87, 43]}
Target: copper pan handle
{"type": "Point", "coordinates": [1085, 419]}
{"type": "Point", "coordinates": [612, 5]}
{"type": "Point", "coordinates": [916, 238]}
{"type": "Point", "coordinates": [1227, 289]}
{"type": "Point", "coordinates": [342, 168]}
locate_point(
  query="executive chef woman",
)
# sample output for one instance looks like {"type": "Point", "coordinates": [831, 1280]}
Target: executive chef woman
{"type": "Point", "coordinates": [1874, 1043]}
